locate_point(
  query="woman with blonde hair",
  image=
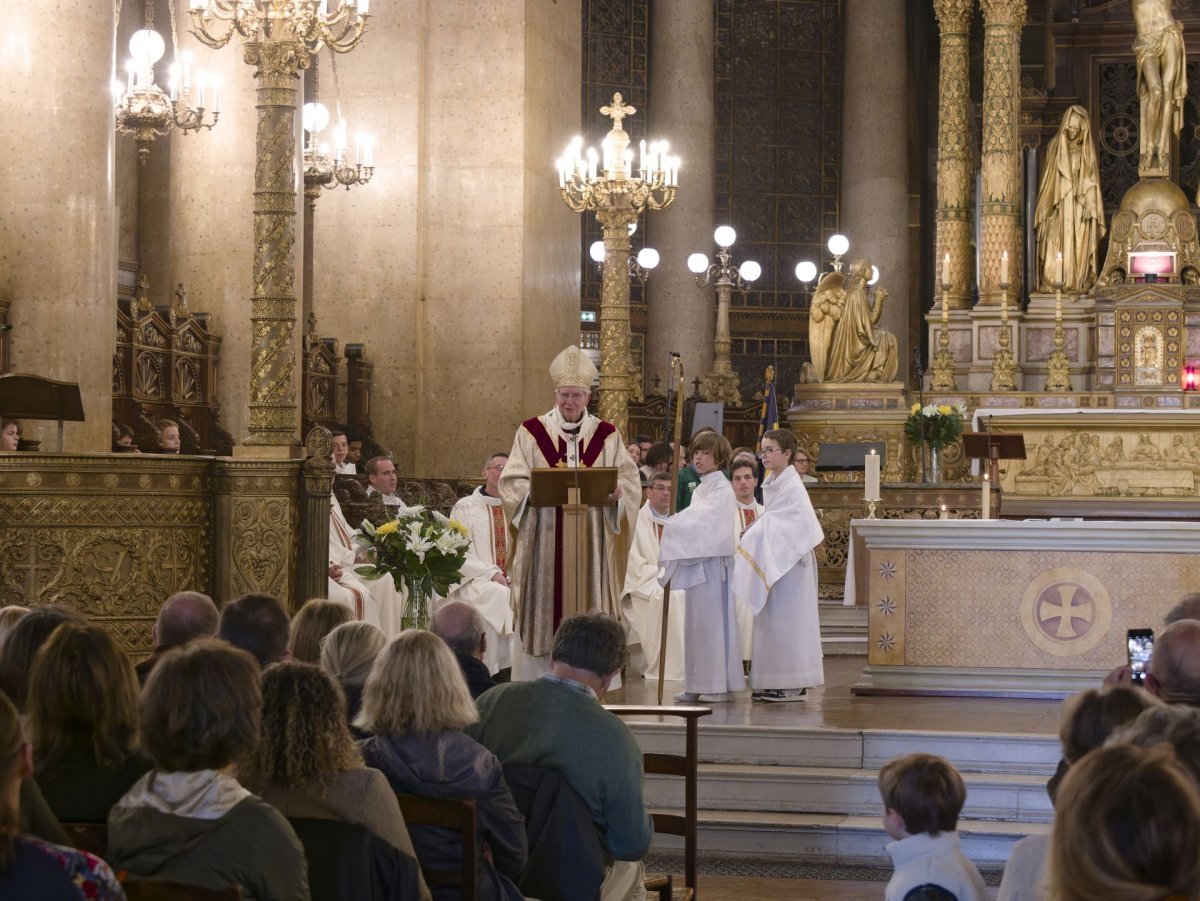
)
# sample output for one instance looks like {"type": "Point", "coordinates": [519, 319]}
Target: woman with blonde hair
{"type": "Point", "coordinates": [347, 654]}
{"type": "Point", "coordinates": [83, 697]}
{"type": "Point", "coordinates": [1127, 825]}
{"type": "Point", "coordinates": [30, 867]}
{"type": "Point", "coordinates": [312, 622]}
{"type": "Point", "coordinates": [416, 704]}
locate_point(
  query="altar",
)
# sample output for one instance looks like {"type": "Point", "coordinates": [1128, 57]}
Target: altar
{"type": "Point", "coordinates": [1007, 608]}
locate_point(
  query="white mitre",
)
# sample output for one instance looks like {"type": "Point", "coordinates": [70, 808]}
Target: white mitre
{"type": "Point", "coordinates": [573, 368]}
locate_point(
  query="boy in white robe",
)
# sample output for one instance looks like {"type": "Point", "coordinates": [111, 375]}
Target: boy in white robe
{"type": "Point", "coordinates": [696, 553]}
{"type": "Point", "coordinates": [643, 595]}
{"type": "Point", "coordinates": [375, 601]}
{"type": "Point", "coordinates": [775, 575]}
{"type": "Point", "coordinates": [485, 584]}
{"type": "Point", "coordinates": [743, 475]}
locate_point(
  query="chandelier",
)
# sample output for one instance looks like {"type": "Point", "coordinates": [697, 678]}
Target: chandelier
{"type": "Point", "coordinates": [307, 21]}
{"type": "Point", "coordinates": [332, 172]}
{"type": "Point", "coordinates": [143, 110]}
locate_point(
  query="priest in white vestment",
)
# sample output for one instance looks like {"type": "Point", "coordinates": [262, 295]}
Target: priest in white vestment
{"type": "Point", "coordinates": [381, 474]}
{"type": "Point", "coordinates": [776, 577]}
{"type": "Point", "coordinates": [643, 595]}
{"type": "Point", "coordinates": [375, 601]}
{"type": "Point", "coordinates": [568, 436]}
{"type": "Point", "coordinates": [697, 555]}
{"type": "Point", "coordinates": [485, 584]}
{"type": "Point", "coordinates": [743, 475]}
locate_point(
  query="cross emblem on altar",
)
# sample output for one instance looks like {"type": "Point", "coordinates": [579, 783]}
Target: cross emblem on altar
{"type": "Point", "coordinates": [617, 111]}
{"type": "Point", "coordinates": [1063, 602]}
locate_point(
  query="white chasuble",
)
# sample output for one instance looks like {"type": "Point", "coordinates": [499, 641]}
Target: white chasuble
{"type": "Point", "coordinates": [487, 557]}
{"type": "Point", "coordinates": [645, 597]}
{"type": "Point", "coordinates": [696, 553]}
{"type": "Point", "coordinates": [549, 441]}
{"type": "Point", "coordinates": [775, 575]}
{"type": "Point", "coordinates": [375, 601]}
{"type": "Point", "coordinates": [746, 515]}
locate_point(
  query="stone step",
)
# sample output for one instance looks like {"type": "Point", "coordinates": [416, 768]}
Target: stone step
{"type": "Point", "coordinates": [844, 645]}
{"type": "Point", "coordinates": [814, 838]}
{"type": "Point", "coordinates": [842, 790]}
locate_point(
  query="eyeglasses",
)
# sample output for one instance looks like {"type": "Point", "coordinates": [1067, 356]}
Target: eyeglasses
{"type": "Point", "coordinates": [767, 451]}
{"type": "Point", "coordinates": [803, 460]}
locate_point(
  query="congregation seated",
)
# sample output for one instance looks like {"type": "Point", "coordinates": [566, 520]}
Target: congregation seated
{"type": "Point", "coordinates": [83, 697]}
{"type": "Point", "coordinates": [347, 654]}
{"type": "Point", "coordinates": [462, 628]}
{"type": "Point", "coordinates": [415, 706]}
{"type": "Point", "coordinates": [186, 616]}
{"type": "Point", "coordinates": [22, 645]}
{"type": "Point", "coordinates": [10, 434]}
{"type": "Point", "coordinates": [189, 820]}
{"type": "Point", "coordinates": [312, 622]}
{"type": "Point", "coordinates": [557, 723]}
{"type": "Point", "coordinates": [29, 866]}
{"type": "Point", "coordinates": [258, 624]}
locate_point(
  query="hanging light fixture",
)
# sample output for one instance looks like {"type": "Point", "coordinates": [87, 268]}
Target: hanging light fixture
{"type": "Point", "coordinates": [320, 169]}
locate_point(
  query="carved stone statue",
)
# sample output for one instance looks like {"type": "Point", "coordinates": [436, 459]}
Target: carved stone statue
{"type": "Point", "coordinates": [1069, 217]}
{"type": "Point", "coordinates": [1161, 80]}
{"type": "Point", "coordinates": [844, 343]}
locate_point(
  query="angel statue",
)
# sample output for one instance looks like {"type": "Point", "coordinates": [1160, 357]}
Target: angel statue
{"type": "Point", "coordinates": [843, 342]}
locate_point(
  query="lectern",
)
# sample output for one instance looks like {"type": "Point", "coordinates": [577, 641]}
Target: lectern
{"type": "Point", "coordinates": [24, 396]}
{"type": "Point", "coordinates": [574, 489]}
{"type": "Point", "coordinates": [994, 447]}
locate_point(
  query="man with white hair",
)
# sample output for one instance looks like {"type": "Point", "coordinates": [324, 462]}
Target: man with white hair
{"type": "Point", "coordinates": [566, 437]}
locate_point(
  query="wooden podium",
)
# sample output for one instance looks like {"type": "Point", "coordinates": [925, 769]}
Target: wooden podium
{"type": "Point", "coordinates": [994, 447]}
{"type": "Point", "coordinates": [574, 489]}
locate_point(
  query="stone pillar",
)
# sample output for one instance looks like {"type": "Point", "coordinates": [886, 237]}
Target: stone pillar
{"type": "Point", "coordinates": [875, 152]}
{"type": "Point", "coordinates": [954, 163]}
{"type": "Point", "coordinates": [57, 233]}
{"type": "Point", "coordinates": [1000, 225]}
{"type": "Point", "coordinates": [680, 316]}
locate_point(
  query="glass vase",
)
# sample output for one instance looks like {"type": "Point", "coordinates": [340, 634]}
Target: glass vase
{"type": "Point", "coordinates": [935, 464]}
{"type": "Point", "coordinates": [416, 611]}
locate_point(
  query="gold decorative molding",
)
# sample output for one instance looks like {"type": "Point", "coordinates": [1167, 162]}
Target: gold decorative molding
{"type": "Point", "coordinates": [953, 216]}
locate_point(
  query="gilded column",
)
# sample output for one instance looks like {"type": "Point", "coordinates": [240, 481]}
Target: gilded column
{"type": "Point", "coordinates": [954, 164]}
{"type": "Point", "coordinates": [1000, 224]}
{"type": "Point", "coordinates": [615, 363]}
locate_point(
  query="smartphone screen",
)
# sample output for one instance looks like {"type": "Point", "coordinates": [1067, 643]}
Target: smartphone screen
{"type": "Point", "coordinates": [1140, 642]}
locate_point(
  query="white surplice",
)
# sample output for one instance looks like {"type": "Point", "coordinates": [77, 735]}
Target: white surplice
{"type": "Point", "coordinates": [488, 556]}
{"type": "Point", "coordinates": [375, 601]}
{"type": "Point", "coordinates": [746, 515]}
{"type": "Point", "coordinates": [645, 598]}
{"type": "Point", "coordinates": [775, 575]}
{"type": "Point", "coordinates": [696, 554]}
{"type": "Point", "coordinates": [345, 469]}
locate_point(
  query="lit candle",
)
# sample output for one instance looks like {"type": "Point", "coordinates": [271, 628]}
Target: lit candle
{"type": "Point", "coordinates": [1058, 306]}
{"type": "Point", "coordinates": [946, 269]}
{"type": "Point", "coordinates": [1058, 269]}
{"type": "Point", "coordinates": [986, 508]}
{"type": "Point", "coordinates": [364, 7]}
{"type": "Point", "coordinates": [1004, 268]}
{"type": "Point", "coordinates": [642, 156]}
{"type": "Point", "coordinates": [200, 86]}
{"type": "Point", "coordinates": [944, 514]}
{"type": "Point", "coordinates": [1004, 308]}
{"type": "Point", "coordinates": [945, 308]}
{"type": "Point", "coordinates": [872, 476]}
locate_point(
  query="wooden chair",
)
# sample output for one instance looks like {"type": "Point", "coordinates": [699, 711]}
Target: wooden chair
{"type": "Point", "coordinates": [458, 813]}
{"type": "Point", "coordinates": [154, 890]}
{"type": "Point", "coordinates": [90, 837]}
{"type": "Point", "coordinates": [684, 766]}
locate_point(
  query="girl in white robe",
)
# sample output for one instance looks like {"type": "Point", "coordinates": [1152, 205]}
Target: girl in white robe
{"type": "Point", "coordinates": [775, 575]}
{"type": "Point", "coordinates": [696, 553]}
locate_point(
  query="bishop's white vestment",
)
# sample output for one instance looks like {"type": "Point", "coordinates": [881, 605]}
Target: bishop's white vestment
{"type": "Point", "coordinates": [645, 598]}
{"type": "Point", "coordinates": [549, 441]}
{"type": "Point", "coordinates": [375, 601]}
{"type": "Point", "coordinates": [746, 515]}
{"type": "Point", "coordinates": [775, 575]}
{"type": "Point", "coordinates": [488, 555]}
{"type": "Point", "coordinates": [696, 554]}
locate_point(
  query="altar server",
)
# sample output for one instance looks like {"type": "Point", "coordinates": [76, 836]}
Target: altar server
{"type": "Point", "coordinates": [776, 577]}
{"type": "Point", "coordinates": [643, 596]}
{"type": "Point", "coordinates": [696, 553]}
{"type": "Point", "coordinates": [375, 601]}
{"type": "Point", "coordinates": [485, 584]}
{"type": "Point", "coordinates": [743, 474]}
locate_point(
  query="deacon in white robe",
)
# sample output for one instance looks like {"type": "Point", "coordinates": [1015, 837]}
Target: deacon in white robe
{"type": "Point", "coordinates": [485, 582]}
{"type": "Point", "coordinates": [775, 575]}
{"type": "Point", "coordinates": [375, 601]}
{"type": "Point", "coordinates": [644, 596]}
{"type": "Point", "coordinates": [568, 436]}
{"type": "Point", "coordinates": [743, 475]}
{"type": "Point", "coordinates": [697, 555]}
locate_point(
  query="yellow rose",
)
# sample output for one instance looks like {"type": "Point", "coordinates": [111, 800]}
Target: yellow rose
{"type": "Point", "coordinates": [916, 408]}
{"type": "Point", "coordinates": [388, 527]}
{"type": "Point", "coordinates": [944, 409]}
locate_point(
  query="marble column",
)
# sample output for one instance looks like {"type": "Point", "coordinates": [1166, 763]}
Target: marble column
{"type": "Point", "coordinates": [58, 230]}
{"type": "Point", "coordinates": [1000, 224]}
{"type": "Point", "coordinates": [205, 227]}
{"type": "Point", "coordinates": [458, 265]}
{"type": "Point", "coordinates": [680, 316]}
{"type": "Point", "coordinates": [954, 160]}
{"type": "Point", "coordinates": [875, 152]}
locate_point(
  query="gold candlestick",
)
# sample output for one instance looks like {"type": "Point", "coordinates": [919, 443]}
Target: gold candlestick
{"type": "Point", "coordinates": [943, 360]}
{"type": "Point", "coordinates": [1003, 366]}
{"type": "Point", "coordinates": [1058, 367]}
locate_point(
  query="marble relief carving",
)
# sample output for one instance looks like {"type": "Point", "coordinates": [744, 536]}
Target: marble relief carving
{"type": "Point", "coordinates": [1107, 464]}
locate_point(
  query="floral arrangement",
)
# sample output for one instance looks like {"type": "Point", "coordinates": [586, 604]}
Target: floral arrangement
{"type": "Point", "coordinates": [420, 549]}
{"type": "Point", "coordinates": [943, 424]}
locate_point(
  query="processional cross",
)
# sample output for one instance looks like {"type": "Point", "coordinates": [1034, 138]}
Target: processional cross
{"type": "Point", "coordinates": [617, 111]}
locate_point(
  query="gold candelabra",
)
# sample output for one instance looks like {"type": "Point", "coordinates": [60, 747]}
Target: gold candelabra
{"type": "Point", "coordinates": [279, 39]}
{"type": "Point", "coordinates": [1058, 367]}
{"type": "Point", "coordinates": [618, 194]}
{"type": "Point", "coordinates": [1004, 370]}
{"type": "Point", "coordinates": [722, 383]}
{"type": "Point", "coordinates": [324, 170]}
{"type": "Point", "coordinates": [943, 359]}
